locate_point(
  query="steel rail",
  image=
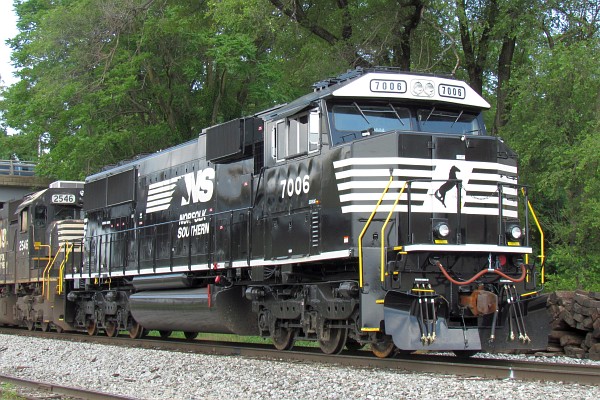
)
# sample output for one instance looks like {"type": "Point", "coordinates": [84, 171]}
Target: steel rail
{"type": "Point", "coordinates": [67, 391]}
{"type": "Point", "coordinates": [419, 363]}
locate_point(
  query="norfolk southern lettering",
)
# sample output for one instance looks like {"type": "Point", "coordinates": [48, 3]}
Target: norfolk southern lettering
{"type": "Point", "coordinates": [193, 224]}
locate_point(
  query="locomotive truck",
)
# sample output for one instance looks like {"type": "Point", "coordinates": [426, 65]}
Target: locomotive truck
{"type": "Point", "coordinates": [374, 210]}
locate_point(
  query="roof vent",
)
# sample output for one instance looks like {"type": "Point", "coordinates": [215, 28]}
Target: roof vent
{"type": "Point", "coordinates": [66, 185]}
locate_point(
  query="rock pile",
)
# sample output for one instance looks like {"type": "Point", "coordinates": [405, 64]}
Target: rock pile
{"type": "Point", "coordinates": [575, 324]}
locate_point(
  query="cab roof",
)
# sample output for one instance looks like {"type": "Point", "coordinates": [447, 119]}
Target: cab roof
{"type": "Point", "coordinates": [385, 83]}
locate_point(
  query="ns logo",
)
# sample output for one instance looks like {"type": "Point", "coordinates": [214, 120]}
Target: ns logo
{"type": "Point", "coordinates": [199, 186]}
{"type": "Point", "coordinates": [195, 187]}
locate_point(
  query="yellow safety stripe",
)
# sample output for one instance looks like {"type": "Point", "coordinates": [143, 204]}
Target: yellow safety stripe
{"type": "Point", "coordinates": [370, 329]}
{"type": "Point", "coordinates": [529, 294]}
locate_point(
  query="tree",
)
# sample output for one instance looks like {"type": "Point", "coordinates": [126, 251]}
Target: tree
{"type": "Point", "coordinates": [102, 81]}
{"type": "Point", "coordinates": [364, 33]}
{"type": "Point", "coordinates": [555, 127]}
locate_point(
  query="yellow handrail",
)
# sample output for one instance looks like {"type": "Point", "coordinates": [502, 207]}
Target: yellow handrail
{"type": "Point", "coordinates": [383, 230]}
{"type": "Point", "coordinates": [364, 230]}
{"type": "Point", "coordinates": [61, 272]}
{"type": "Point", "coordinates": [542, 255]}
{"type": "Point", "coordinates": [47, 271]}
{"type": "Point", "coordinates": [37, 246]}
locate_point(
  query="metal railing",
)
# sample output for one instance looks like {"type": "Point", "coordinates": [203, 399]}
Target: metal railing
{"type": "Point", "coordinates": [17, 168]}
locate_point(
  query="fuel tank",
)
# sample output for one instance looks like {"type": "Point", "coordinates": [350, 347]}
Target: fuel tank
{"type": "Point", "coordinates": [208, 309]}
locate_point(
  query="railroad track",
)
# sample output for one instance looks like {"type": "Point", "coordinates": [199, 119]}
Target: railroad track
{"type": "Point", "coordinates": [42, 390]}
{"type": "Point", "coordinates": [419, 363]}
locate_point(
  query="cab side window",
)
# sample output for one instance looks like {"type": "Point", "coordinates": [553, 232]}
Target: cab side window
{"type": "Point", "coordinates": [24, 220]}
{"type": "Point", "coordinates": [40, 216]}
{"type": "Point", "coordinates": [280, 141]}
{"type": "Point", "coordinates": [295, 137]}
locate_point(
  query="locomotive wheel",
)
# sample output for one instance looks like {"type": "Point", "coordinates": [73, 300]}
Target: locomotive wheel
{"type": "Point", "coordinates": [92, 328]}
{"type": "Point", "coordinates": [111, 329]}
{"type": "Point", "coordinates": [136, 331]}
{"type": "Point", "coordinates": [190, 335]}
{"type": "Point", "coordinates": [283, 338]}
{"type": "Point", "coordinates": [45, 326]}
{"type": "Point", "coordinates": [353, 345]}
{"type": "Point", "coordinates": [384, 348]}
{"type": "Point", "coordinates": [336, 342]}
{"type": "Point", "coordinates": [165, 334]}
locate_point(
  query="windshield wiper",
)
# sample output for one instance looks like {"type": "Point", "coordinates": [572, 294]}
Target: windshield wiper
{"type": "Point", "coordinates": [457, 118]}
{"type": "Point", "coordinates": [396, 112]}
{"type": "Point", "coordinates": [361, 113]}
{"type": "Point", "coordinates": [429, 116]}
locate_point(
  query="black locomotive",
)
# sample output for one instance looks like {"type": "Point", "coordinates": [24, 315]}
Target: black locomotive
{"type": "Point", "coordinates": [40, 235]}
{"type": "Point", "coordinates": [374, 210]}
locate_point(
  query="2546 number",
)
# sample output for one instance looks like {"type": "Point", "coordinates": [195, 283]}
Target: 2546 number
{"type": "Point", "coordinates": [63, 198]}
{"type": "Point", "coordinates": [291, 186]}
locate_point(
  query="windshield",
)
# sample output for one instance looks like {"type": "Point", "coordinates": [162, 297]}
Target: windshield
{"type": "Point", "coordinates": [67, 212]}
{"type": "Point", "coordinates": [440, 121]}
{"type": "Point", "coordinates": [354, 121]}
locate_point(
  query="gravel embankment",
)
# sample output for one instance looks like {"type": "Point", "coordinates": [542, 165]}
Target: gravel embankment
{"type": "Point", "coordinates": [155, 374]}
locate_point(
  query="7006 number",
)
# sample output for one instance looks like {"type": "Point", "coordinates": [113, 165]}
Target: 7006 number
{"type": "Point", "coordinates": [291, 186]}
{"type": "Point", "coordinates": [388, 86]}
{"type": "Point", "coordinates": [455, 92]}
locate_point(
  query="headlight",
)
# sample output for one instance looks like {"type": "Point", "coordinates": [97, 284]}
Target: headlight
{"type": "Point", "coordinates": [422, 88]}
{"type": "Point", "coordinates": [441, 230]}
{"type": "Point", "coordinates": [417, 88]}
{"type": "Point", "coordinates": [429, 89]}
{"type": "Point", "coordinates": [515, 232]}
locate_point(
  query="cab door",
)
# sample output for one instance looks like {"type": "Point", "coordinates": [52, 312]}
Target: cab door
{"type": "Point", "coordinates": [292, 187]}
{"type": "Point", "coordinates": [23, 245]}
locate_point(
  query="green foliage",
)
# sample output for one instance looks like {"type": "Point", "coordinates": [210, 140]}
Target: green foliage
{"type": "Point", "coordinates": [8, 392]}
{"type": "Point", "coordinates": [555, 127]}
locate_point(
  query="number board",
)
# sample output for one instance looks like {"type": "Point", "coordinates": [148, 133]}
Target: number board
{"type": "Point", "coordinates": [388, 86]}
{"type": "Point", "coordinates": [63, 198]}
{"type": "Point", "coordinates": [455, 92]}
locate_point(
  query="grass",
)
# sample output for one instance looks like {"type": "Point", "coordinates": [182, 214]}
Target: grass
{"type": "Point", "coordinates": [8, 392]}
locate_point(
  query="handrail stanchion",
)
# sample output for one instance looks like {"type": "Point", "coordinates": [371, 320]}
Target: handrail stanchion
{"type": "Point", "coordinates": [364, 230]}
{"type": "Point", "coordinates": [383, 229]}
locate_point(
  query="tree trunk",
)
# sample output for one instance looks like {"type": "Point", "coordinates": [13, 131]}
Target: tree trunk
{"type": "Point", "coordinates": [504, 69]}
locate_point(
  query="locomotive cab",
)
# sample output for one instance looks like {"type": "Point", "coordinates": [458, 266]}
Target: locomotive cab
{"type": "Point", "coordinates": [402, 177]}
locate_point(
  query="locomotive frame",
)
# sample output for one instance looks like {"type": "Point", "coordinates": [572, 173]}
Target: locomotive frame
{"type": "Point", "coordinates": [374, 210]}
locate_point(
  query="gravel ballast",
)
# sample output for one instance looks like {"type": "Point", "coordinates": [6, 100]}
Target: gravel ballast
{"type": "Point", "coordinates": [157, 374]}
